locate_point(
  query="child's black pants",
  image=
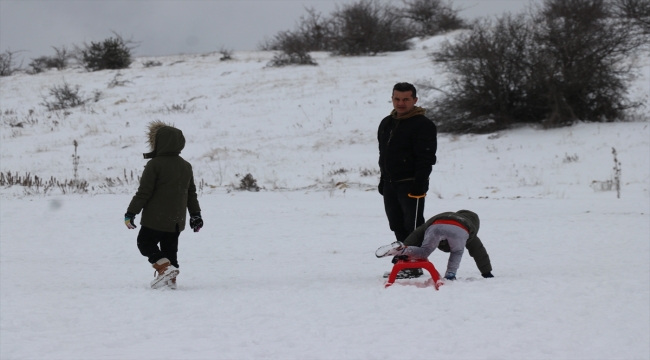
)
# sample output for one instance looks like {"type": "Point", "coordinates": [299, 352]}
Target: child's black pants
{"type": "Point", "coordinates": [148, 240]}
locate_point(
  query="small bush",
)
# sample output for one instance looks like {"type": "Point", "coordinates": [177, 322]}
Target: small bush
{"type": "Point", "coordinates": [432, 17]}
{"type": "Point", "coordinates": [226, 54]}
{"type": "Point", "coordinates": [248, 183]}
{"type": "Point", "coordinates": [367, 28]}
{"type": "Point", "coordinates": [59, 61]}
{"type": "Point", "coordinates": [117, 82]}
{"type": "Point", "coordinates": [293, 52]}
{"type": "Point", "coordinates": [176, 108]}
{"type": "Point", "coordinates": [8, 63]}
{"type": "Point", "coordinates": [113, 53]}
{"type": "Point", "coordinates": [65, 97]}
{"type": "Point", "coordinates": [151, 63]}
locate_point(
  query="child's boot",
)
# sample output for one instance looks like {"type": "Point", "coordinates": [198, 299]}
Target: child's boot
{"type": "Point", "coordinates": [171, 283]}
{"type": "Point", "coordinates": [165, 271]}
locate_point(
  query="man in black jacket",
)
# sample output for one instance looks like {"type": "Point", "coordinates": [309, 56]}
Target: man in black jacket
{"type": "Point", "coordinates": [407, 151]}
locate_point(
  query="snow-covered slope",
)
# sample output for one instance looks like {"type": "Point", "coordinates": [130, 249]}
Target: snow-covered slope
{"type": "Point", "coordinates": [290, 272]}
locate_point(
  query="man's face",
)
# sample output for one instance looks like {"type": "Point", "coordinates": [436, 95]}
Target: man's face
{"type": "Point", "coordinates": [403, 101]}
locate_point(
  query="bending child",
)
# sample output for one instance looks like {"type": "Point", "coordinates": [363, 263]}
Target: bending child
{"type": "Point", "coordinates": [450, 232]}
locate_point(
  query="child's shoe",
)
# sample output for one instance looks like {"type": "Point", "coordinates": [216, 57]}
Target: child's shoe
{"type": "Point", "coordinates": [390, 249]}
{"type": "Point", "coordinates": [165, 271]}
{"type": "Point", "coordinates": [171, 283]}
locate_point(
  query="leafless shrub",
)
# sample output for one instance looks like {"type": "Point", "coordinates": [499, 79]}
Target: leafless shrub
{"type": "Point", "coordinates": [59, 61]}
{"type": "Point", "coordinates": [314, 32]}
{"type": "Point", "coordinates": [616, 177]}
{"type": "Point", "coordinates": [34, 184]}
{"type": "Point", "coordinates": [151, 63]}
{"type": "Point", "coordinates": [432, 17]}
{"type": "Point", "coordinates": [117, 82]}
{"type": "Point", "coordinates": [12, 119]}
{"type": "Point", "coordinates": [490, 68]}
{"type": "Point", "coordinates": [606, 185]}
{"type": "Point", "coordinates": [121, 181]}
{"type": "Point", "coordinates": [226, 54]}
{"type": "Point", "coordinates": [570, 158]}
{"type": "Point", "coordinates": [563, 62]}
{"type": "Point", "coordinates": [584, 61]}
{"type": "Point", "coordinates": [75, 161]}
{"type": "Point", "coordinates": [369, 172]}
{"type": "Point", "coordinates": [8, 63]}
{"type": "Point", "coordinates": [292, 56]}
{"type": "Point", "coordinates": [65, 97]}
{"type": "Point", "coordinates": [249, 183]}
{"type": "Point", "coordinates": [340, 171]}
{"type": "Point", "coordinates": [612, 184]}
{"type": "Point", "coordinates": [367, 27]}
{"type": "Point", "coordinates": [97, 95]}
{"type": "Point", "coordinates": [294, 46]}
{"type": "Point", "coordinates": [177, 108]}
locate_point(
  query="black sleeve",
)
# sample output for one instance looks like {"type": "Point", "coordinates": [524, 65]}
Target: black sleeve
{"type": "Point", "coordinates": [426, 144]}
{"type": "Point", "coordinates": [480, 255]}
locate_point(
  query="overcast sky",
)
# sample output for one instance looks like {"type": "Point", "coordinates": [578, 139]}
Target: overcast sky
{"type": "Point", "coordinates": [165, 27]}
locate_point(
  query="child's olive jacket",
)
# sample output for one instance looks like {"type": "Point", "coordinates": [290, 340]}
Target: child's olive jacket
{"type": "Point", "coordinates": [167, 189]}
{"type": "Point", "coordinates": [474, 245]}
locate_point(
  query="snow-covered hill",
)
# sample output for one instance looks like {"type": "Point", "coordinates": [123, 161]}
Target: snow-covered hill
{"type": "Point", "coordinates": [289, 272]}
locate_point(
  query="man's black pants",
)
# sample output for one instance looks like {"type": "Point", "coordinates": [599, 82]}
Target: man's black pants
{"type": "Point", "coordinates": [148, 240]}
{"type": "Point", "coordinates": [400, 209]}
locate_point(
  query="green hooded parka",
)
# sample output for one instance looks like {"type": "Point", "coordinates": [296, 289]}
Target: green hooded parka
{"type": "Point", "coordinates": [167, 189]}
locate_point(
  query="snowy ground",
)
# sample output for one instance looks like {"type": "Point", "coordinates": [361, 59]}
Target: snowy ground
{"type": "Point", "coordinates": [289, 272]}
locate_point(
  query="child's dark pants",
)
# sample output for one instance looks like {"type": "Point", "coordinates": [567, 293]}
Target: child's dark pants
{"type": "Point", "coordinates": [148, 240]}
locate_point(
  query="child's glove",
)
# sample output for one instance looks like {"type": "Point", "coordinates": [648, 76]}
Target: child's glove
{"type": "Point", "coordinates": [450, 275]}
{"type": "Point", "coordinates": [487, 274]}
{"type": "Point", "coordinates": [196, 222]}
{"type": "Point", "coordinates": [128, 220]}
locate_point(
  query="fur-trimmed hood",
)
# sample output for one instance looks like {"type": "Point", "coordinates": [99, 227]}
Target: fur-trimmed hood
{"type": "Point", "coordinates": [164, 140]}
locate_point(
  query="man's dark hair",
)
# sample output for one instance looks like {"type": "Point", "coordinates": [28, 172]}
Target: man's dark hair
{"type": "Point", "coordinates": [404, 86]}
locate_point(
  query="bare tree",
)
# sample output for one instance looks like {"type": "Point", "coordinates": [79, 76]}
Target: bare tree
{"type": "Point", "coordinates": [636, 11]}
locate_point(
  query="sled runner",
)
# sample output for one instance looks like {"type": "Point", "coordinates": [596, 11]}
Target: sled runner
{"type": "Point", "coordinates": [414, 264]}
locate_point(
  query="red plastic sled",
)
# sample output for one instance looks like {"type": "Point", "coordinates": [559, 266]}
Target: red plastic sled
{"type": "Point", "coordinates": [414, 264]}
